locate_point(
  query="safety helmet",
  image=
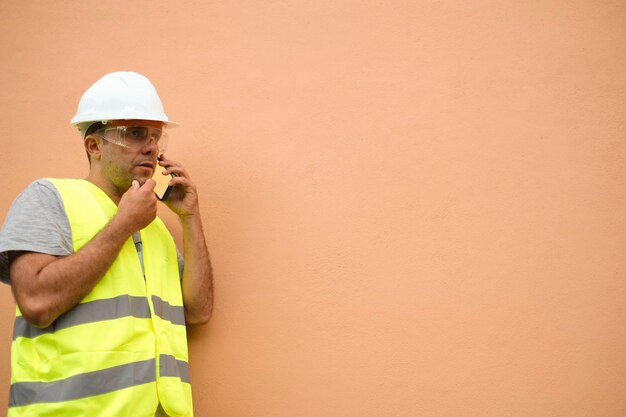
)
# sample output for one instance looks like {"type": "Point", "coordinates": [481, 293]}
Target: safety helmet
{"type": "Point", "coordinates": [119, 96]}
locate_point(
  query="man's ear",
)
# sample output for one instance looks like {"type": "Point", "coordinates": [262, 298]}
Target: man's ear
{"type": "Point", "coordinates": [93, 146]}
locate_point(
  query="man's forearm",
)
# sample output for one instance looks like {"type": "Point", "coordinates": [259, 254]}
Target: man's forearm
{"type": "Point", "coordinates": [197, 282]}
{"type": "Point", "coordinates": [45, 287]}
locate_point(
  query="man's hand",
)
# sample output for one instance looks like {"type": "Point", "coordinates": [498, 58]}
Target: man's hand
{"type": "Point", "coordinates": [137, 207]}
{"type": "Point", "coordinates": [183, 198]}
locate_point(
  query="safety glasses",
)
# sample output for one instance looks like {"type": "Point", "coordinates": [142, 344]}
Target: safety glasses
{"type": "Point", "coordinates": [134, 137]}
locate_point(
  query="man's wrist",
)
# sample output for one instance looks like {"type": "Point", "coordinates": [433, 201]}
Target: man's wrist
{"type": "Point", "coordinates": [188, 218]}
{"type": "Point", "coordinates": [117, 228]}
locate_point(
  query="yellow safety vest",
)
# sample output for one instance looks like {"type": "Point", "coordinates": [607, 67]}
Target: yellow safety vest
{"type": "Point", "coordinates": [123, 348]}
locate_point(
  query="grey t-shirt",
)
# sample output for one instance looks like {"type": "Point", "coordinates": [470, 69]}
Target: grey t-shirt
{"type": "Point", "coordinates": [36, 222]}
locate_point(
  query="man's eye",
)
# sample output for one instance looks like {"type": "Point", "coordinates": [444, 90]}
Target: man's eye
{"type": "Point", "coordinates": [135, 133]}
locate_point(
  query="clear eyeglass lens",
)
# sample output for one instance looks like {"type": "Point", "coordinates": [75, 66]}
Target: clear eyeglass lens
{"type": "Point", "coordinates": [136, 137]}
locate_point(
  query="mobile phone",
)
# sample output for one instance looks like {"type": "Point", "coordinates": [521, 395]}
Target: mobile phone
{"type": "Point", "coordinates": [162, 188]}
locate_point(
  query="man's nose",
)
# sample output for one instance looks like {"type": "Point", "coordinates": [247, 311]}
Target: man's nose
{"type": "Point", "coordinates": [151, 146]}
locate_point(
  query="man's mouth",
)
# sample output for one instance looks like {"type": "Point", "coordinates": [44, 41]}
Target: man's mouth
{"type": "Point", "coordinates": [147, 164]}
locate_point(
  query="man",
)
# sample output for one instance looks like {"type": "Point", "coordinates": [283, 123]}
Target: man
{"type": "Point", "coordinates": [101, 299]}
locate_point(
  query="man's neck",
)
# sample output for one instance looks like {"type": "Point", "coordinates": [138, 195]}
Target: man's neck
{"type": "Point", "coordinates": [109, 189]}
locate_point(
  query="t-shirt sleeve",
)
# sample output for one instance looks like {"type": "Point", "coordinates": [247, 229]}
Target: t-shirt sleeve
{"type": "Point", "coordinates": [36, 222]}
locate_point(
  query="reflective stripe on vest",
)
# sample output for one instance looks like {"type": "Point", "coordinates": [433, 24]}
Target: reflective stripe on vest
{"type": "Point", "coordinates": [123, 349]}
{"type": "Point", "coordinates": [96, 382]}
{"type": "Point", "coordinates": [100, 310]}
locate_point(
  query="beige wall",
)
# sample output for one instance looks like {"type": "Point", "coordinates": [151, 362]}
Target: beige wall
{"type": "Point", "coordinates": [414, 208]}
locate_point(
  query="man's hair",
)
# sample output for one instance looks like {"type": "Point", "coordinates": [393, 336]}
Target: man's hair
{"type": "Point", "coordinates": [94, 128]}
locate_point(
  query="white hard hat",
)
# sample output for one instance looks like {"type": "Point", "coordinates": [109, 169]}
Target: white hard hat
{"type": "Point", "coordinates": [119, 96]}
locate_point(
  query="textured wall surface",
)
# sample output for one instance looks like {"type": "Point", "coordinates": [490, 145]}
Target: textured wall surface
{"type": "Point", "coordinates": [414, 208]}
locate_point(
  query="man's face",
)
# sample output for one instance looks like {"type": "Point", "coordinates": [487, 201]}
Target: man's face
{"type": "Point", "coordinates": [124, 162]}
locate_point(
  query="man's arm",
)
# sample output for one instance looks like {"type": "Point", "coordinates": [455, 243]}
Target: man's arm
{"type": "Point", "coordinates": [197, 275]}
{"type": "Point", "coordinates": [45, 286]}
{"type": "Point", "coordinates": [197, 280]}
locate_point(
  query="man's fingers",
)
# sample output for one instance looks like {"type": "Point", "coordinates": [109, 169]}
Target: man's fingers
{"type": "Point", "coordinates": [135, 185]}
{"type": "Point", "coordinates": [149, 184]}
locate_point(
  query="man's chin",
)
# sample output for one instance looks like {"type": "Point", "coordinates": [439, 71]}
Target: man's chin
{"type": "Point", "coordinates": [142, 174]}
